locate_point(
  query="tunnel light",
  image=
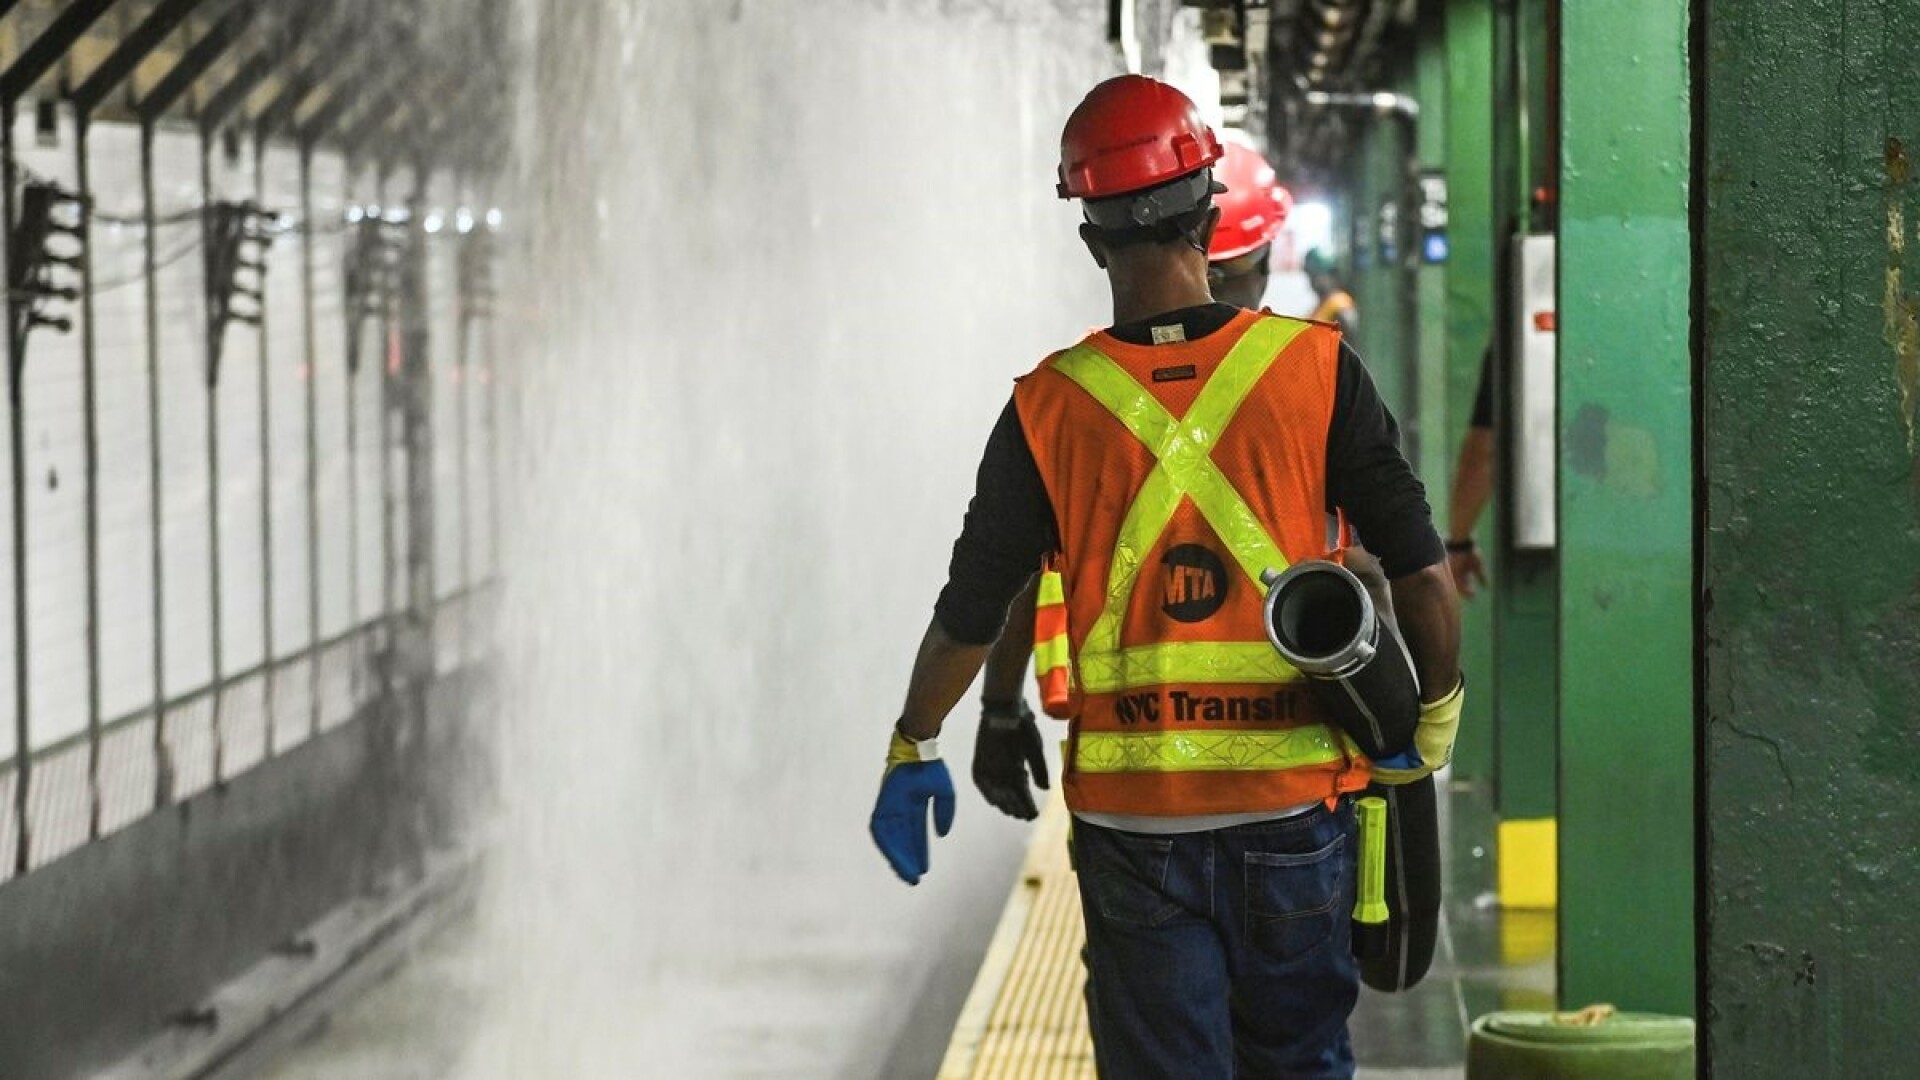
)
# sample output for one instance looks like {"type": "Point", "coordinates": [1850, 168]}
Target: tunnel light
{"type": "Point", "coordinates": [463, 220]}
{"type": "Point", "coordinates": [355, 214]}
{"type": "Point", "coordinates": [373, 211]}
{"type": "Point", "coordinates": [494, 218]}
{"type": "Point", "coordinates": [435, 221]}
{"type": "Point", "coordinates": [1385, 100]}
{"type": "Point", "coordinates": [1312, 226]}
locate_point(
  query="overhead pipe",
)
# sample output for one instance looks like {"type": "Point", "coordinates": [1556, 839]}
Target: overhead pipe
{"type": "Point", "coordinates": [1384, 102]}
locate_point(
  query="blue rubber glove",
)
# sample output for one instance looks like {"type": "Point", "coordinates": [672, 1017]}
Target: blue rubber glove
{"type": "Point", "coordinates": [915, 774]}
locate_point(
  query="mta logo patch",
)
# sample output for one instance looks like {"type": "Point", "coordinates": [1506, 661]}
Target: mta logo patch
{"type": "Point", "coordinates": [1193, 583]}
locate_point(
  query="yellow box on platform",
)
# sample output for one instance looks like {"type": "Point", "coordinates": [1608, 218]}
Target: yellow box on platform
{"type": "Point", "coordinates": [1529, 863]}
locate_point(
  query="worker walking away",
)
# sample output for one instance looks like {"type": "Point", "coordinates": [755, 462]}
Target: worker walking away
{"type": "Point", "coordinates": [1008, 745]}
{"type": "Point", "coordinates": [1336, 303]}
{"type": "Point", "coordinates": [1165, 462]}
{"type": "Point", "coordinates": [1253, 210]}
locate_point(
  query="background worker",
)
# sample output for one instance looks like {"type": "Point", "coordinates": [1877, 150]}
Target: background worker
{"type": "Point", "coordinates": [1472, 487]}
{"type": "Point", "coordinates": [1167, 460]}
{"type": "Point", "coordinates": [1008, 745]}
{"type": "Point", "coordinates": [1253, 210]}
{"type": "Point", "coordinates": [1336, 303]}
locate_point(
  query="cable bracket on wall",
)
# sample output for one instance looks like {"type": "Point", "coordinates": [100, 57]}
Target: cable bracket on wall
{"type": "Point", "coordinates": [238, 235]}
{"type": "Point", "coordinates": [372, 271]}
{"type": "Point", "coordinates": [44, 242]}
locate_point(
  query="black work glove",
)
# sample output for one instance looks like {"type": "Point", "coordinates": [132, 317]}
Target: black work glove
{"type": "Point", "coordinates": [1008, 745]}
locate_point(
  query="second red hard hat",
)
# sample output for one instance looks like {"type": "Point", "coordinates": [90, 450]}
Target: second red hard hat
{"type": "Point", "coordinates": [1129, 134]}
{"type": "Point", "coordinates": [1254, 207]}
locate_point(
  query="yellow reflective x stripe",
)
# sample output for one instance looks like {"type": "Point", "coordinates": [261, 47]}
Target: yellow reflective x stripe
{"type": "Point", "coordinates": [1183, 468]}
{"type": "Point", "coordinates": [1183, 662]}
{"type": "Point", "coordinates": [1206, 751]}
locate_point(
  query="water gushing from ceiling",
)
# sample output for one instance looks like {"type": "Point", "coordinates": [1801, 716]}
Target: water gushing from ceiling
{"type": "Point", "coordinates": [785, 259]}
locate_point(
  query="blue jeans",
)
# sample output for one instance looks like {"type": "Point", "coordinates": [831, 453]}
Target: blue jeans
{"type": "Point", "coordinates": [1221, 955]}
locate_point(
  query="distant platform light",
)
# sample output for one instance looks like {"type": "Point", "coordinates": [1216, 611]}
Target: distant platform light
{"type": "Point", "coordinates": [1312, 226]}
{"type": "Point", "coordinates": [355, 214]}
{"type": "Point", "coordinates": [494, 218]}
{"type": "Point", "coordinates": [463, 220]}
{"type": "Point", "coordinates": [434, 222]}
{"type": "Point", "coordinates": [373, 211]}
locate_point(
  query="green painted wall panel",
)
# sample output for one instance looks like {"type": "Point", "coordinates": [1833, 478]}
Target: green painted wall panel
{"type": "Point", "coordinates": [1378, 286]}
{"type": "Point", "coordinates": [1810, 354]}
{"type": "Point", "coordinates": [1434, 454]}
{"type": "Point", "coordinates": [1527, 728]}
{"type": "Point", "coordinates": [1526, 600]}
{"type": "Point", "coordinates": [1626, 532]}
{"type": "Point", "coordinates": [1469, 291]}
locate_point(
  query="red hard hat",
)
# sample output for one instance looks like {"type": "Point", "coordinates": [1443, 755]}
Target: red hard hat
{"type": "Point", "coordinates": [1132, 133]}
{"type": "Point", "coordinates": [1252, 210]}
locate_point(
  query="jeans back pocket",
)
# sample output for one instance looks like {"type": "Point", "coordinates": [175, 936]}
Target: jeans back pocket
{"type": "Point", "coordinates": [1292, 898]}
{"type": "Point", "coordinates": [1130, 878]}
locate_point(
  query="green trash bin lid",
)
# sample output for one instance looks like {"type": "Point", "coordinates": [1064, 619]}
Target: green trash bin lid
{"type": "Point", "coordinates": [1543, 1046]}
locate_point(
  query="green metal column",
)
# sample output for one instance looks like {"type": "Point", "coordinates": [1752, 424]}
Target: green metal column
{"type": "Point", "coordinates": [1433, 453]}
{"type": "Point", "coordinates": [1626, 521]}
{"type": "Point", "coordinates": [1378, 280]}
{"type": "Point", "coordinates": [1810, 563]}
{"type": "Point", "coordinates": [1526, 598]}
{"type": "Point", "coordinates": [1469, 291]}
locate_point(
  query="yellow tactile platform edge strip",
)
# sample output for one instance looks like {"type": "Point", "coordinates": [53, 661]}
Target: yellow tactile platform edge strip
{"type": "Point", "coordinates": [1026, 1017]}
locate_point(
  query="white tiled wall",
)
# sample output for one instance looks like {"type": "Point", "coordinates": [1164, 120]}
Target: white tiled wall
{"type": "Point", "coordinates": [288, 386]}
{"type": "Point", "coordinates": [55, 507]}
{"type": "Point", "coordinates": [257, 496]}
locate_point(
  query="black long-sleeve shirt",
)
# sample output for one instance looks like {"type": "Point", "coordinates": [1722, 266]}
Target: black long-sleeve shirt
{"type": "Point", "coordinates": [1010, 525]}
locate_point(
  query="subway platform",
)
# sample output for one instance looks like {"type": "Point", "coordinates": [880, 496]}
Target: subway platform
{"type": "Point", "coordinates": [1024, 1017]}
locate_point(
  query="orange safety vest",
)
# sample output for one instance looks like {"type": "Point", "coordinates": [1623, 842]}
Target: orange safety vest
{"type": "Point", "coordinates": [1177, 474]}
{"type": "Point", "coordinates": [1337, 303]}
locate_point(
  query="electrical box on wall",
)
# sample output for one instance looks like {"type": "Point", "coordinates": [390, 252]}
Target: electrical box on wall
{"type": "Point", "coordinates": [1534, 349]}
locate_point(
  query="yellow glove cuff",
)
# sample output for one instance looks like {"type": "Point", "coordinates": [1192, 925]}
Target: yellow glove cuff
{"type": "Point", "coordinates": [904, 751]}
{"type": "Point", "coordinates": [1439, 723]}
{"type": "Point", "coordinates": [1432, 737]}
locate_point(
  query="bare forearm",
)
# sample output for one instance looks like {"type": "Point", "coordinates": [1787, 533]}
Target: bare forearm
{"type": "Point", "coordinates": [1472, 483]}
{"type": "Point", "coordinates": [1367, 568]}
{"type": "Point", "coordinates": [942, 672]}
{"type": "Point", "coordinates": [1429, 614]}
{"type": "Point", "coordinates": [1007, 663]}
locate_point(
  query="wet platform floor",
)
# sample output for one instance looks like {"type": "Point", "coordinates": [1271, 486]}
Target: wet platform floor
{"type": "Point", "coordinates": [430, 1020]}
